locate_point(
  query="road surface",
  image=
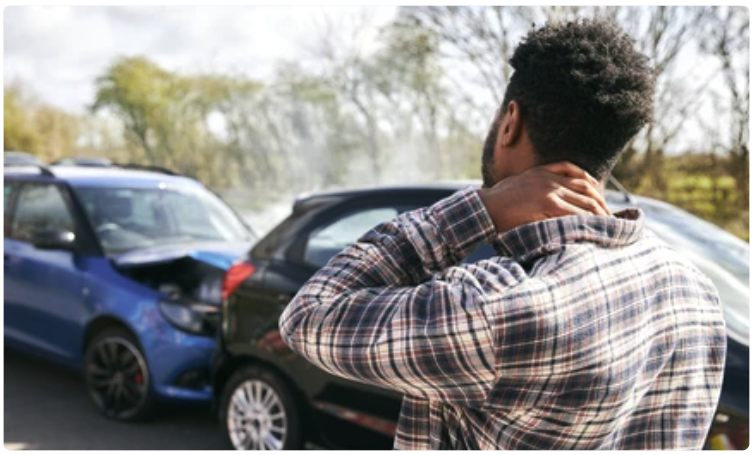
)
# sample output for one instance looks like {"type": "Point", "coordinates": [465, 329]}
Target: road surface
{"type": "Point", "coordinates": [46, 407]}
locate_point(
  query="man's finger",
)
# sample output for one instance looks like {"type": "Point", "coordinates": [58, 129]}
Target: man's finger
{"type": "Point", "coordinates": [566, 208]}
{"type": "Point", "coordinates": [583, 187]}
{"type": "Point", "coordinates": [570, 170]}
{"type": "Point", "coordinates": [585, 203]}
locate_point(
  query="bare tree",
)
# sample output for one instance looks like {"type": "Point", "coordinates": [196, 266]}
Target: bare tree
{"type": "Point", "coordinates": [661, 33]}
{"type": "Point", "coordinates": [344, 65]}
{"type": "Point", "coordinates": [475, 44]}
{"type": "Point", "coordinates": [668, 30]}
{"type": "Point", "coordinates": [482, 38]}
{"type": "Point", "coordinates": [726, 37]}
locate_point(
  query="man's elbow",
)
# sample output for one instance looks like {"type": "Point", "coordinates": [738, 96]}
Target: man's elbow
{"type": "Point", "coordinates": [287, 325]}
{"type": "Point", "coordinates": [292, 321]}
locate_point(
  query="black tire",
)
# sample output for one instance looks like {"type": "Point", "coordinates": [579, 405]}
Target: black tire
{"type": "Point", "coordinates": [117, 377]}
{"type": "Point", "coordinates": [259, 424]}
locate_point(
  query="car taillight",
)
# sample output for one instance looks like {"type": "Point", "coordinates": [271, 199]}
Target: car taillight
{"type": "Point", "coordinates": [236, 275]}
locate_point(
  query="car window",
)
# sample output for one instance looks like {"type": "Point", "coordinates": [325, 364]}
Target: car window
{"type": "Point", "coordinates": [327, 241]}
{"type": "Point", "coordinates": [40, 206]}
{"type": "Point", "coordinates": [143, 212]}
{"type": "Point", "coordinates": [130, 218]}
{"type": "Point", "coordinates": [195, 218]}
{"type": "Point", "coordinates": [9, 189]}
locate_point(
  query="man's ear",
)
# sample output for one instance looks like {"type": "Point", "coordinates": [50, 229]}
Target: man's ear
{"type": "Point", "coordinates": [511, 125]}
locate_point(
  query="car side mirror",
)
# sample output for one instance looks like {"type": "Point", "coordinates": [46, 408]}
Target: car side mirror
{"type": "Point", "coordinates": [54, 239]}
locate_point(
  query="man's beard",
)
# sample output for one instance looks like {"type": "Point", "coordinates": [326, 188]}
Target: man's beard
{"type": "Point", "coordinates": [488, 155]}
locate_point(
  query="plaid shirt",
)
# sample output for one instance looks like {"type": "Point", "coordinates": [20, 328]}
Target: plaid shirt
{"type": "Point", "coordinates": [586, 332]}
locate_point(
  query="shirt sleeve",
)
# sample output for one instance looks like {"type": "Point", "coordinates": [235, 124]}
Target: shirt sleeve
{"type": "Point", "coordinates": [396, 310]}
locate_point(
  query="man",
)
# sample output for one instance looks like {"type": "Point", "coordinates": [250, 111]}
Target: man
{"type": "Point", "coordinates": [586, 332]}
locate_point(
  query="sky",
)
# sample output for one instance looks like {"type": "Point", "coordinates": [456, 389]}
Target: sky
{"type": "Point", "coordinates": [59, 51]}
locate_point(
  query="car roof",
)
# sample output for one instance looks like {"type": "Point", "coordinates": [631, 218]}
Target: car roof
{"type": "Point", "coordinates": [18, 154]}
{"type": "Point", "coordinates": [18, 158]}
{"type": "Point", "coordinates": [84, 159]}
{"type": "Point", "coordinates": [80, 176]}
{"type": "Point", "coordinates": [307, 200]}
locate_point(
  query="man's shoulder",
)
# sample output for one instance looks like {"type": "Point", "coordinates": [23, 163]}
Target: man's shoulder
{"type": "Point", "coordinates": [648, 257]}
{"type": "Point", "coordinates": [678, 260]}
{"type": "Point", "coordinates": [679, 270]}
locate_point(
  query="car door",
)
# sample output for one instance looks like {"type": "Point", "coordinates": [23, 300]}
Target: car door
{"type": "Point", "coordinates": [10, 291]}
{"type": "Point", "coordinates": [375, 408]}
{"type": "Point", "coordinates": [44, 291]}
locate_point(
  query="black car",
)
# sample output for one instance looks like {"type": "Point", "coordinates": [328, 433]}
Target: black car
{"type": "Point", "coordinates": [270, 398]}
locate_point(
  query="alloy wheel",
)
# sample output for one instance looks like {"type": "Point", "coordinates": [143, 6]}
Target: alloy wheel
{"type": "Point", "coordinates": [117, 377]}
{"type": "Point", "coordinates": [256, 417]}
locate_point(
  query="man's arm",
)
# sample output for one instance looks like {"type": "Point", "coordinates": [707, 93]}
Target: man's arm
{"type": "Point", "coordinates": [356, 317]}
{"type": "Point", "coordinates": [394, 309]}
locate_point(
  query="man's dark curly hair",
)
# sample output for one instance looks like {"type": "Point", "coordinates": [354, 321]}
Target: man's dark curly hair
{"type": "Point", "coordinates": [583, 92]}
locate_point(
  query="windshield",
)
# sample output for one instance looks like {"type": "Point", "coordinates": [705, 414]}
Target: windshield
{"type": "Point", "coordinates": [130, 218]}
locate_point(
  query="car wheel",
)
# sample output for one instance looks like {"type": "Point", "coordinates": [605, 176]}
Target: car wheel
{"type": "Point", "coordinates": [116, 375]}
{"type": "Point", "coordinates": [258, 412]}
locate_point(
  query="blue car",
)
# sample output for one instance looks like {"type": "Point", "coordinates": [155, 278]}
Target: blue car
{"type": "Point", "coordinates": [118, 272]}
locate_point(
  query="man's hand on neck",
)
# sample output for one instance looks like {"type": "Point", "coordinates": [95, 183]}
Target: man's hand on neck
{"type": "Point", "coordinates": [549, 191]}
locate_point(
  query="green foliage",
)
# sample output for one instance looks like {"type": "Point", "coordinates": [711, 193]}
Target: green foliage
{"type": "Point", "coordinates": [39, 129]}
{"type": "Point", "coordinates": [703, 185]}
{"type": "Point", "coordinates": [139, 93]}
{"type": "Point", "coordinates": [165, 115]}
{"type": "Point", "coordinates": [18, 134]}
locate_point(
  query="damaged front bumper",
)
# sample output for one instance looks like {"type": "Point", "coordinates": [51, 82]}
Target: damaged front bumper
{"type": "Point", "coordinates": [180, 365]}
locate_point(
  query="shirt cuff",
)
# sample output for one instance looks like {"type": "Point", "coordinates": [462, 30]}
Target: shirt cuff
{"type": "Point", "coordinates": [463, 221]}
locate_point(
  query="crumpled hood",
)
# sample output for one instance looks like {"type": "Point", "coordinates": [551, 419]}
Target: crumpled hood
{"type": "Point", "coordinates": [217, 254]}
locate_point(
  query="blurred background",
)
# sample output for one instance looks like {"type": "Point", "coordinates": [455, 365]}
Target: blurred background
{"type": "Point", "coordinates": [261, 103]}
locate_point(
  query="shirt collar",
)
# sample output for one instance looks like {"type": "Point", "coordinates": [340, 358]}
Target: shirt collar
{"type": "Point", "coordinates": [534, 240]}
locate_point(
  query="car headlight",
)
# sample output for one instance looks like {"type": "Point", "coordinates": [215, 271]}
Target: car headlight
{"type": "Point", "coordinates": [191, 317]}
